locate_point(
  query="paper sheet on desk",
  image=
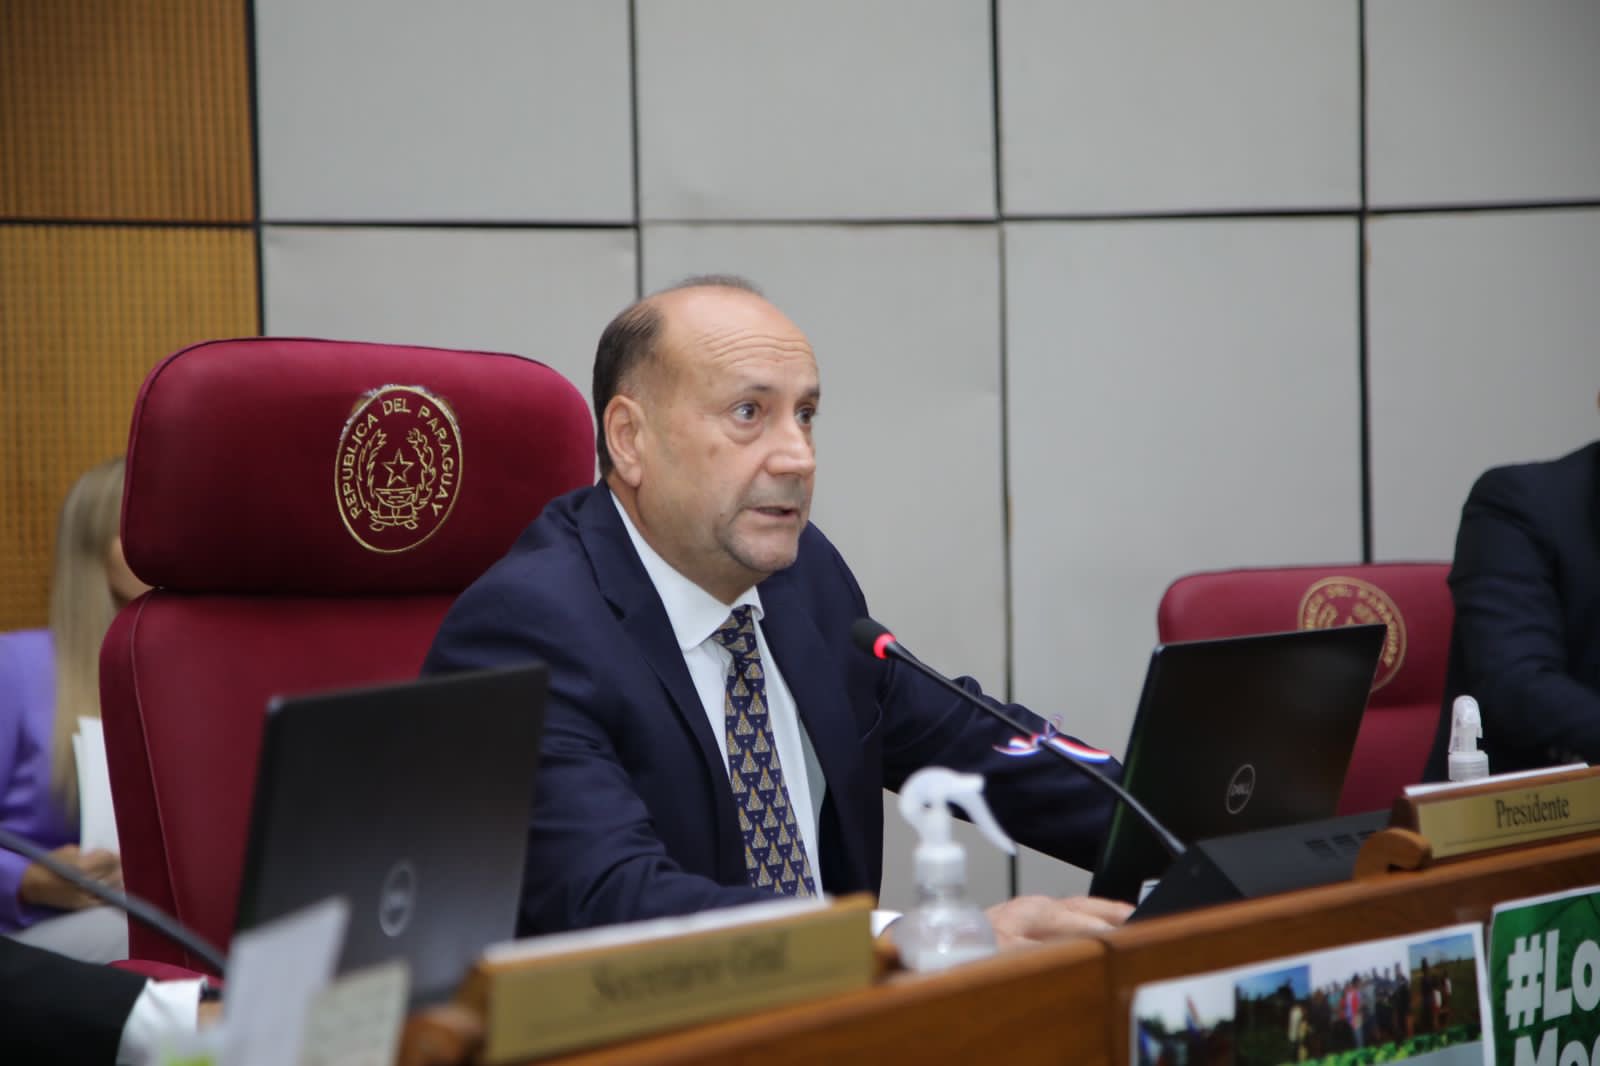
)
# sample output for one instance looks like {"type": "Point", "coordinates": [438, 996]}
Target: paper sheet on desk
{"type": "Point", "coordinates": [275, 973]}
{"type": "Point", "coordinates": [357, 1019]}
{"type": "Point", "coordinates": [97, 821]}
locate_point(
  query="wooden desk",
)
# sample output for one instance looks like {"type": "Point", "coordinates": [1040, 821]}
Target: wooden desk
{"type": "Point", "coordinates": [1022, 1008]}
{"type": "Point", "coordinates": [1069, 1003]}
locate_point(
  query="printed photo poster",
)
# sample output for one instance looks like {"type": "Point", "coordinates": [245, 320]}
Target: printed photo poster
{"type": "Point", "coordinates": [1544, 979]}
{"type": "Point", "coordinates": [1420, 997]}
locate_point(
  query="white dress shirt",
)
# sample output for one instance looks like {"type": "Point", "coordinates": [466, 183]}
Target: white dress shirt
{"type": "Point", "coordinates": [163, 1007]}
{"type": "Point", "coordinates": [695, 615]}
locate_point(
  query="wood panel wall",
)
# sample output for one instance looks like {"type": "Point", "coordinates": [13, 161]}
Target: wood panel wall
{"type": "Point", "coordinates": [127, 230]}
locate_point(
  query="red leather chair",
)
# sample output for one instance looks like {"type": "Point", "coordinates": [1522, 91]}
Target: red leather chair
{"type": "Point", "coordinates": [307, 511]}
{"type": "Point", "coordinates": [1411, 598]}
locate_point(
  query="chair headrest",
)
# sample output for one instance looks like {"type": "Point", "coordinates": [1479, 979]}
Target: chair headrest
{"type": "Point", "coordinates": [1411, 599]}
{"type": "Point", "coordinates": [337, 468]}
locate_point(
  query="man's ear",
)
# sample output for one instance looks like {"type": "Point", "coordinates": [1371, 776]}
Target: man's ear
{"type": "Point", "coordinates": [624, 424]}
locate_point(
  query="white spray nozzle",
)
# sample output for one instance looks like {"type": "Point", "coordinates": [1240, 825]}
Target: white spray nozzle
{"type": "Point", "coordinates": [1466, 724]}
{"type": "Point", "coordinates": [925, 801]}
{"type": "Point", "coordinates": [1465, 762]}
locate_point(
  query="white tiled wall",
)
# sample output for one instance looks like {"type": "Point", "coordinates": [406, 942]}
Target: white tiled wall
{"type": "Point", "coordinates": [1035, 417]}
{"type": "Point", "coordinates": [534, 292]}
{"type": "Point", "coordinates": [1485, 350]}
{"type": "Point", "coordinates": [1128, 106]}
{"type": "Point", "coordinates": [1216, 424]}
{"type": "Point", "coordinates": [829, 109]}
{"type": "Point", "coordinates": [1479, 101]}
{"type": "Point", "coordinates": [411, 110]}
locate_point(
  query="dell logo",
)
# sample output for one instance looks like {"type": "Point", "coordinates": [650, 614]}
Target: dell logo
{"type": "Point", "coordinates": [1240, 788]}
{"type": "Point", "coordinates": [397, 899]}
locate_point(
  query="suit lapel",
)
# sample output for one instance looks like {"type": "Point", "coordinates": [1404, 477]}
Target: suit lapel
{"type": "Point", "coordinates": [627, 587]}
{"type": "Point", "coordinates": [1594, 487]}
{"type": "Point", "coordinates": [824, 706]}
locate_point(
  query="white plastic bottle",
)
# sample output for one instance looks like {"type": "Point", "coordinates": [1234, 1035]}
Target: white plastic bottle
{"type": "Point", "coordinates": [1465, 761]}
{"type": "Point", "coordinates": [945, 928]}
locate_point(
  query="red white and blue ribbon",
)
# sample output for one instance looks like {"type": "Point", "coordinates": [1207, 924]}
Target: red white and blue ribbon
{"type": "Point", "coordinates": [1022, 747]}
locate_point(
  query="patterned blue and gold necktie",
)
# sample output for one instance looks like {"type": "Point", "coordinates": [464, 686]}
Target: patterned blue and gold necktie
{"type": "Point", "coordinates": [773, 853]}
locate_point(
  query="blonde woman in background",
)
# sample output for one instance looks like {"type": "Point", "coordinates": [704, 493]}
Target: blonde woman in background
{"type": "Point", "coordinates": [48, 680]}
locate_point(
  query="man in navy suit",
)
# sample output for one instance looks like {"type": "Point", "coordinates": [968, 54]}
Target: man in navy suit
{"type": "Point", "coordinates": [1526, 586]}
{"type": "Point", "coordinates": [689, 612]}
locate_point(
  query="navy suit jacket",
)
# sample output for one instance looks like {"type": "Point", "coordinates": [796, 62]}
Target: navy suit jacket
{"type": "Point", "coordinates": [633, 817]}
{"type": "Point", "coordinates": [59, 1010]}
{"type": "Point", "coordinates": [1526, 586]}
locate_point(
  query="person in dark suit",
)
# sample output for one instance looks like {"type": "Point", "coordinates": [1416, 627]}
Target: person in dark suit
{"type": "Point", "coordinates": [54, 1009]}
{"type": "Point", "coordinates": [1526, 587]}
{"type": "Point", "coordinates": [712, 734]}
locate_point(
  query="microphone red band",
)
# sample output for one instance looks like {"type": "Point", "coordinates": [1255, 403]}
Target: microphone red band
{"type": "Point", "coordinates": [880, 647]}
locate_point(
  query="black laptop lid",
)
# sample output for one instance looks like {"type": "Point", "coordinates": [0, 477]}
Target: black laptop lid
{"type": "Point", "coordinates": [409, 800]}
{"type": "Point", "coordinates": [1238, 734]}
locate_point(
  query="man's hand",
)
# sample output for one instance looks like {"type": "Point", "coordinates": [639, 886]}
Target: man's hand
{"type": "Point", "coordinates": [1038, 919]}
{"type": "Point", "coordinates": [44, 889]}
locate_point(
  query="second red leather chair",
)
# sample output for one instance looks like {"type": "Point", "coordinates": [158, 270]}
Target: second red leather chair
{"type": "Point", "coordinates": [1411, 598]}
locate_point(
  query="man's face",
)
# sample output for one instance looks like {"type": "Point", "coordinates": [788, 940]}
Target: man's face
{"type": "Point", "coordinates": [726, 461]}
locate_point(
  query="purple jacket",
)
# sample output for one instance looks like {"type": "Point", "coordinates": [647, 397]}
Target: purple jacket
{"type": "Point", "coordinates": [27, 704]}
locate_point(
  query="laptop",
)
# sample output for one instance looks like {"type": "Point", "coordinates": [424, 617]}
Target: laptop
{"type": "Point", "coordinates": [411, 801]}
{"type": "Point", "coordinates": [1238, 734]}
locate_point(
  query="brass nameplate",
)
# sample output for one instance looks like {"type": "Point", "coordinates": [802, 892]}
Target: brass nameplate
{"type": "Point", "coordinates": [1501, 814]}
{"type": "Point", "coordinates": [556, 1002]}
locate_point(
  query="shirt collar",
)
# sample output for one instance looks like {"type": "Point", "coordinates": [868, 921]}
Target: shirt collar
{"type": "Point", "coordinates": [694, 613]}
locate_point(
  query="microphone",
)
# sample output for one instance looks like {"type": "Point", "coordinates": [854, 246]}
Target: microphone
{"type": "Point", "coordinates": [873, 637]}
{"type": "Point", "coordinates": [133, 906]}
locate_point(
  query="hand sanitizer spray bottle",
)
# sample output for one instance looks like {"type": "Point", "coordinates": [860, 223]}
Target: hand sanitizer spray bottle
{"type": "Point", "coordinates": [945, 928]}
{"type": "Point", "coordinates": [1466, 762]}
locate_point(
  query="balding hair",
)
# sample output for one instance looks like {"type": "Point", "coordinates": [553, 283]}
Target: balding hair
{"type": "Point", "coordinates": [629, 343]}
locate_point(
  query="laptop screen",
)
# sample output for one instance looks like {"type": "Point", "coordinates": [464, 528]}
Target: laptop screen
{"type": "Point", "coordinates": [1238, 734]}
{"type": "Point", "coordinates": [411, 801]}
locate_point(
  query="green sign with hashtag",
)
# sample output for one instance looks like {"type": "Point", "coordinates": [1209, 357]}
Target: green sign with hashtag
{"type": "Point", "coordinates": [1544, 980]}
